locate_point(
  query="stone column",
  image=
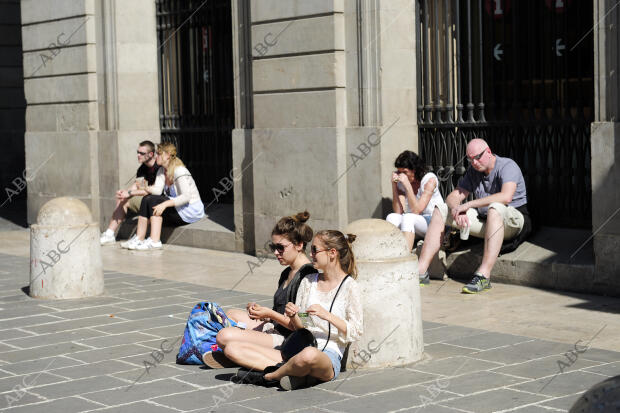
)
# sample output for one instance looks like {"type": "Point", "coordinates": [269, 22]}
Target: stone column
{"type": "Point", "coordinates": [90, 78]}
{"type": "Point", "coordinates": [333, 103]}
{"type": "Point", "coordinates": [605, 147]}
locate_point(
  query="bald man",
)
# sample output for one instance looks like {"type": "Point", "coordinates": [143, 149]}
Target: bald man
{"type": "Point", "coordinates": [497, 213]}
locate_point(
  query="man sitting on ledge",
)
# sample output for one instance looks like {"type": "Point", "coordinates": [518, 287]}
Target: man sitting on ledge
{"type": "Point", "coordinates": [497, 213]}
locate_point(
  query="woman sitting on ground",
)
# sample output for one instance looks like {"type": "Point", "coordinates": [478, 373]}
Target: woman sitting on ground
{"type": "Point", "coordinates": [289, 239]}
{"type": "Point", "coordinates": [180, 203]}
{"type": "Point", "coordinates": [334, 288]}
{"type": "Point", "coordinates": [415, 193]}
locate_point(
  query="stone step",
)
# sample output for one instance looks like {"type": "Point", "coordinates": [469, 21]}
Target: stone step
{"type": "Point", "coordinates": [553, 258]}
{"type": "Point", "coordinates": [216, 231]}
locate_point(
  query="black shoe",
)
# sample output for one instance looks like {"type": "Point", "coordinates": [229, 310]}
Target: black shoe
{"type": "Point", "coordinates": [255, 377]}
{"type": "Point", "coordinates": [294, 382]}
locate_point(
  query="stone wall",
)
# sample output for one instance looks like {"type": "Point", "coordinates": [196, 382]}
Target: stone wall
{"type": "Point", "coordinates": [605, 147]}
{"type": "Point", "coordinates": [332, 106]}
{"type": "Point", "coordinates": [91, 87]}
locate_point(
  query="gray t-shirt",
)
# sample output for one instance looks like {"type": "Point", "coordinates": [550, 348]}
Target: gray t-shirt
{"type": "Point", "coordinates": [481, 185]}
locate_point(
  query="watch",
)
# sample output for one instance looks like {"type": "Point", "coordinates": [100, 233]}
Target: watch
{"type": "Point", "coordinates": [129, 192]}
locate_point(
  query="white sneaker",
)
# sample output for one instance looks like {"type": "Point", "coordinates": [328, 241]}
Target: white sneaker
{"type": "Point", "coordinates": [148, 244]}
{"type": "Point", "coordinates": [130, 243]}
{"type": "Point", "coordinates": [106, 239]}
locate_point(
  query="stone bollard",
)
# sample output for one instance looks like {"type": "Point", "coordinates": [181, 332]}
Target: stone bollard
{"type": "Point", "coordinates": [388, 280]}
{"type": "Point", "coordinates": [65, 254]}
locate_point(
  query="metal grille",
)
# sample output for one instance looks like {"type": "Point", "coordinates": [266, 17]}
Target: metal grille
{"type": "Point", "coordinates": [518, 74]}
{"type": "Point", "coordinates": [196, 87]}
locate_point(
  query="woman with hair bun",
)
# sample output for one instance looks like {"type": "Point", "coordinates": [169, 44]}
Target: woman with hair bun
{"type": "Point", "coordinates": [333, 303]}
{"type": "Point", "coordinates": [415, 192]}
{"type": "Point", "coordinates": [263, 325]}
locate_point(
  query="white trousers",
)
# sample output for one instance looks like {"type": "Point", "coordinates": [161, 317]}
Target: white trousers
{"type": "Point", "coordinates": [415, 223]}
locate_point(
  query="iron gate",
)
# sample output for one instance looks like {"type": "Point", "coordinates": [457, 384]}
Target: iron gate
{"type": "Point", "coordinates": [196, 87]}
{"type": "Point", "coordinates": [518, 74]}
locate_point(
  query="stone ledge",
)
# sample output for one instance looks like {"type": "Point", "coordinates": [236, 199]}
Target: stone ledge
{"type": "Point", "coordinates": [544, 261]}
{"type": "Point", "coordinates": [213, 232]}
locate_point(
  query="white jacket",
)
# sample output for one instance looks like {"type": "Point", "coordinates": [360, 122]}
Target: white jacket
{"type": "Point", "coordinates": [184, 185]}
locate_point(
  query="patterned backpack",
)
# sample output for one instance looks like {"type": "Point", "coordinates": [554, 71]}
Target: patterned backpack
{"type": "Point", "coordinates": [203, 324]}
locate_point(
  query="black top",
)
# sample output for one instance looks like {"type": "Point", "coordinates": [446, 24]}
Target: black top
{"type": "Point", "coordinates": [148, 172]}
{"type": "Point", "coordinates": [284, 295]}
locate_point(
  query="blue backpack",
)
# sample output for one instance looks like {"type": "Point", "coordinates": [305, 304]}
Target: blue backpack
{"type": "Point", "coordinates": [203, 324]}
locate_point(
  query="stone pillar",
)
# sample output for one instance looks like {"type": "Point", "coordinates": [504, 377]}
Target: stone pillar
{"type": "Point", "coordinates": [388, 280]}
{"type": "Point", "coordinates": [91, 90]}
{"type": "Point", "coordinates": [605, 147]}
{"type": "Point", "coordinates": [65, 254]}
{"type": "Point", "coordinates": [333, 87]}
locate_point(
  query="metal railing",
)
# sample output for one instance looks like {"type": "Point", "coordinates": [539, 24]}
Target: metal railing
{"type": "Point", "coordinates": [196, 87]}
{"type": "Point", "coordinates": [519, 75]}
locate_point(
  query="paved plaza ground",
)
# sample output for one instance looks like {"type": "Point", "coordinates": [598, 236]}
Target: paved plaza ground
{"type": "Point", "coordinates": [511, 349]}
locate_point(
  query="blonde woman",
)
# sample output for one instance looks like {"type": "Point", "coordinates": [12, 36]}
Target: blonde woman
{"type": "Point", "coordinates": [333, 289]}
{"type": "Point", "coordinates": [174, 199]}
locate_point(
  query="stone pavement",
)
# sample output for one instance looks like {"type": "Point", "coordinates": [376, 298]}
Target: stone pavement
{"type": "Point", "coordinates": [117, 353]}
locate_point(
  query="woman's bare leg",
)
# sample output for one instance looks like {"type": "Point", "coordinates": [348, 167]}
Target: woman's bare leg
{"type": "Point", "coordinates": [251, 355]}
{"type": "Point", "coordinates": [156, 223]}
{"type": "Point", "coordinates": [230, 335]}
{"type": "Point", "coordinates": [309, 362]}
{"type": "Point", "coordinates": [143, 224]}
{"type": "Point", "coordinates": [240, 315]}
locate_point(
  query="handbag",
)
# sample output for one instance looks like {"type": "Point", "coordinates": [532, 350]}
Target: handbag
{"type": "Point", "coordinates": [302, 338]}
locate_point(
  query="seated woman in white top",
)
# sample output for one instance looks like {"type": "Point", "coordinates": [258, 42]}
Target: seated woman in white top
{"type": "Point", "coordinates": [414, 196]}
{"type": "Point", "coordinates": [332, 254]}
{"type": "Point", "coordinates": [180, 203]}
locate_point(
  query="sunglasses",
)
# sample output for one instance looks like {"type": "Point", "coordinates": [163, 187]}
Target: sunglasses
{"type": "Point", "coordinates": [479, 156]}
{"type": "Point", "coordinates": [142, 153]}
{"type": "Point", "coordinates": [314, 251]}
{"type": "Point", "coordinates": [277, 247]}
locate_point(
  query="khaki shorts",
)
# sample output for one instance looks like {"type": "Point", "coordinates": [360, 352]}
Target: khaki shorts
{"type": "Point", "coordinates": [513, 220]}
{"type": "Point", "coordinates": [134, 203]}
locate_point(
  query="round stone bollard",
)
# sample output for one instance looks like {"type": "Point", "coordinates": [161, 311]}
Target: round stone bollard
{"type": "Point", "coordinates": [390, 289]}
{"type": "Point", "coordinates": [65, 254]}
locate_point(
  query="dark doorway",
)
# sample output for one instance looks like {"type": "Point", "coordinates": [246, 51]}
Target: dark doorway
{"type": "Point", "coordinates": [518, 74]}
{"type": "Point", "coordinates": [12, 119]}
{"type": "Point", "coordinates": [196, 88]}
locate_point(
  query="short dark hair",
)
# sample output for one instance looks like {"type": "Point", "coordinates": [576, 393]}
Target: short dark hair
{"type": "Point", "coordinates": [411, 161]}
{"type": "Point", "coordinates": [149, 145]}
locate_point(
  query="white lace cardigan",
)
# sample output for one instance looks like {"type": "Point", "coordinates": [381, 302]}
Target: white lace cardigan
{"type": "Point", "coordinates": [348, 307]}
{"type": "Point", "coordinates": [184, 185]}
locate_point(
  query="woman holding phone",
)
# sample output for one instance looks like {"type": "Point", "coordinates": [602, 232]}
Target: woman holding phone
{"type": "Point", "coordinates": [263, 325]}
{"type": "Point", "coordinates": [333, 289]}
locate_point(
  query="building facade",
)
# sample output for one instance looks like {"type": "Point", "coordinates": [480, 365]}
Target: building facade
{"type": "Point", "coordinates": [280, 106]}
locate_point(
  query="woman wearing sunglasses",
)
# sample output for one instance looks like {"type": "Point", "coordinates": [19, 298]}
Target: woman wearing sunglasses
{"type": "Point", "coordinates": [333, 302]}
{"type": "Point", "coordinates": [414, 196]}
{"type": "Point", "coordinates": [263, 325]}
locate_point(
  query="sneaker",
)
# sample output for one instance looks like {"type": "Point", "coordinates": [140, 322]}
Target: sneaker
{"type": "Point", "coordinates": [425, 279]}
{"type": "Point", "coordinates": [217, 360]}
{"type": "Point", "coordinates": [106, 239]}
{"type": "Point", "coordinates": [148, 244]}
{"type": "Point", "coordinates": [477, 284]}
{"type": "Point", "coordinates": [133, 243]}
{"type": "Point", "coordinates": [125, 244]}
{"type": "Point", "coordinates": [294, 382]}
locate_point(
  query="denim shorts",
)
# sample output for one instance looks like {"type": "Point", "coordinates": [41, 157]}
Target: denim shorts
{"type": "Point", "coordinates": [336, 360]}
